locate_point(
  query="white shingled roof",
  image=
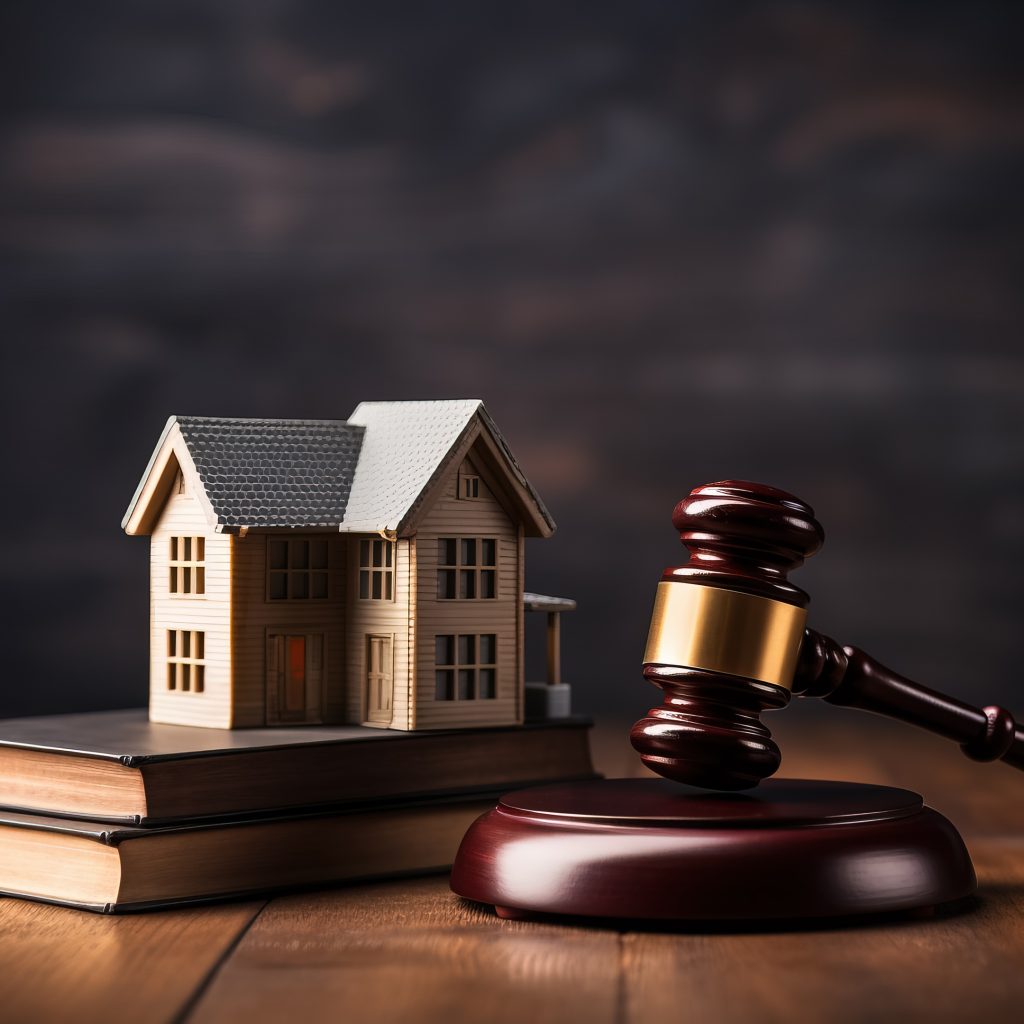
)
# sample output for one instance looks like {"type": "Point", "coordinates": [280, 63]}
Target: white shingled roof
{"type": "Point", "coordinates": [405, 444]}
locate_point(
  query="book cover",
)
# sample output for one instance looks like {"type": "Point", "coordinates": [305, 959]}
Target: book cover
{"type": "Point", "coordinates": [117, 766]}
{"type": "Point", "coordinates": [113, 869]}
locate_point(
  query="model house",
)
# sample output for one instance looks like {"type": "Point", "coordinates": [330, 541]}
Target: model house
{"type": "Point", "coordinates": [367, 571]}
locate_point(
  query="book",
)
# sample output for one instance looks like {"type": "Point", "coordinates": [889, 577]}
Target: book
{"type": "Point", "coordinates": [85, 865]}
{"type": "Point", "coordinates": [116, 766]}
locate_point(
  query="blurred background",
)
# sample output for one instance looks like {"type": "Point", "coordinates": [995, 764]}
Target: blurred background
{"type": "Point", "coordinates": [666, 243]}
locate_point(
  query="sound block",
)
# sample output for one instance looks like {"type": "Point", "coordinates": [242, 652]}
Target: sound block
{"type": "Point", "coordinates": [650, 849]}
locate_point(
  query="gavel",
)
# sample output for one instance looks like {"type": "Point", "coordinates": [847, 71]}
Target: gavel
{"type": "Point", "coordinates": [728, 641]}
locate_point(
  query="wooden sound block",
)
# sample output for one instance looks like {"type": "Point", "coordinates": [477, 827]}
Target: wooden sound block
{"type": "Point", "coordinates": [653, 849]}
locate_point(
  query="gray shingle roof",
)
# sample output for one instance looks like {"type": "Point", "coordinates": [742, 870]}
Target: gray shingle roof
{"type": "Point", "coordinates": [364, 475]}
{"type": "Point", "coordinates": [267, 473]}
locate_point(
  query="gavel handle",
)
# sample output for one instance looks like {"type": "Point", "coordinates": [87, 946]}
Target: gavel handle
{"type": "Point", "coordinates": [849, 677]}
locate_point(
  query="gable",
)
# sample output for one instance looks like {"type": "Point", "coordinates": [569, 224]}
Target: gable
{"type": "Point", "coordinates": [491, 494]}
{"type": "Point", "coordinates": [253, 473]}
{"type": "Point", "coordinates": [446, 502]}
{"type": "Point", "coordinates": [371, 474]}
{"type": "Point", "coordinates": [478, 451]}
{"type": "Point", "coordinates": [169, 462]}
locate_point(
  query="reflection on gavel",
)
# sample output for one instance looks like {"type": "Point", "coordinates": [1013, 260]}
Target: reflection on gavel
{"type": "Point", "coordinates": [727, 642]}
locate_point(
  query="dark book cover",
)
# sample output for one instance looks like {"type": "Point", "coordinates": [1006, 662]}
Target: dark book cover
{"type": "Point", "coordinates": [117, 766]}
{"type": "Point", "coordinates": [115, 868]}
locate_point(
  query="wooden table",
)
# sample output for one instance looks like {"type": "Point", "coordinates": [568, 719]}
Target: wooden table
{"type": "Point", "coordinates": [410, 951]}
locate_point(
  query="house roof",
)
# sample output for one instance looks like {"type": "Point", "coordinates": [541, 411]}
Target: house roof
{"type": "Point", "coordinates": [547, 603]}
{"type": "Point", "coordinates": [274, 473]}
{"type": "Point", "coordinates": [405, 444]}
{"type": "Point", "coordinates": [368, 474]}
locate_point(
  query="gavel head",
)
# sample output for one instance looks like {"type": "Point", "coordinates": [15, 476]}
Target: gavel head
{"type": "Point", "coordinates": [726, 634]}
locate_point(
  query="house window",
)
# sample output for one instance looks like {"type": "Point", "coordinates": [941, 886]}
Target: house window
{"type": "Point", "coordinates": [469, 486]}
{"type": "Point", "coordinates": [186, 665]}
{"type": "Point", "coordinates": [465, 666]}
{"type": "Point", "coordinates": [377, 570]}
{"type": "Point", "coordinates": [467, 568]}
{"type": "Point", "coordinates": [296, 570]}
{"type": "Point", "coordinates": [187, 565]}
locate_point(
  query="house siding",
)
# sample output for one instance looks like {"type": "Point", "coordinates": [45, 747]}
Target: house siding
{"type": "Point", "coordinates": [451, 516]}
{"type": "Point", "coordinates": [210, 613]}
{"type": "Point", "coordinates": [255, 617]}
{"type": "Point", "coordinates": [365, 618]}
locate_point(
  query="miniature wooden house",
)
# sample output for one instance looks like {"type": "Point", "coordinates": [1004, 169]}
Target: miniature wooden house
{"type": "Point", "coordinates": [367, 571]}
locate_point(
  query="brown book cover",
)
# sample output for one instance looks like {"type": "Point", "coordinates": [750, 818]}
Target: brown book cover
{"type": "Point", "coordinates": [117, 766]}
{"type": "Point", "coordinates": [86, 865]}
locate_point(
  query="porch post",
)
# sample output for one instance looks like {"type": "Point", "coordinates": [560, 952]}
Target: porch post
{"type": "Point", "coordinates": [554, 648]}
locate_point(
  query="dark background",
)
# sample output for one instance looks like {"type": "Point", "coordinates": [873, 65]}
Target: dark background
{"type": "Point", "coordinates": [666, 243]}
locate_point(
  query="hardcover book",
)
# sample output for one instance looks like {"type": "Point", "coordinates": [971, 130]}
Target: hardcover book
{"type": "Point", "coordinates": [111, 869]}
{"type": "Point", "coordinates": [117, 766]}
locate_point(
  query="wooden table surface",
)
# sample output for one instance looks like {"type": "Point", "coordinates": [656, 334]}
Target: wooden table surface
{"type": "Point", "coordinates": [411, 951]}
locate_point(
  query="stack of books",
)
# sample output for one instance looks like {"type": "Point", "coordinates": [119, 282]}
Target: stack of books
{"type": "Point", "coordinates": [109, 812]}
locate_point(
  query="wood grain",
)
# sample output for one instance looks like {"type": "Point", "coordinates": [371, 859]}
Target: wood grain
{"type": "Point", "coordinates": [947, 969]}
{"type": "Point", "coordinates": [822, 742]}
{"type": "Point", "coordinates": [253, 617]}
{"type": "Point", "coordinates": [486, 516]}
{"type": "Point", "coordinates": [394, 618]}
{"type": "Point", "coordinates": [826, 742]}
{"type": "Point", "coordinates": [411, 951]}
{"type": "Point", "coordinates": [184, 516]}
{"type": "Point", "coordinates": [58, 964]}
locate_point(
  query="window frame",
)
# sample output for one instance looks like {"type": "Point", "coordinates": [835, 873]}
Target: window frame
{"type": "Point", "coordinates": [455, 667]}
{"type": "Point", "coordinates": [463, 575]}
{"type": "Point", "coordinates": [290, 572]}
{"type": "Point", "coordinates": [186, 673]}
{"type": "Point", "coordinates": [191, 570]}
{"type": "Point", "coordinates": [367, 568]}
{"type": "Point", "coordinates": [469, 487]}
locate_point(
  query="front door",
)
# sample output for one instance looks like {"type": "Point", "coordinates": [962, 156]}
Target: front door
{"type": "Point", "coordinates": [294, 678]}
{"type": "Point", "coordinates": [379, 679]}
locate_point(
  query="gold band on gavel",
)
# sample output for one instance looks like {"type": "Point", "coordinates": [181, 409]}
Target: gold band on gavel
{"type": "Point", "coordinates": [696, 626]}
